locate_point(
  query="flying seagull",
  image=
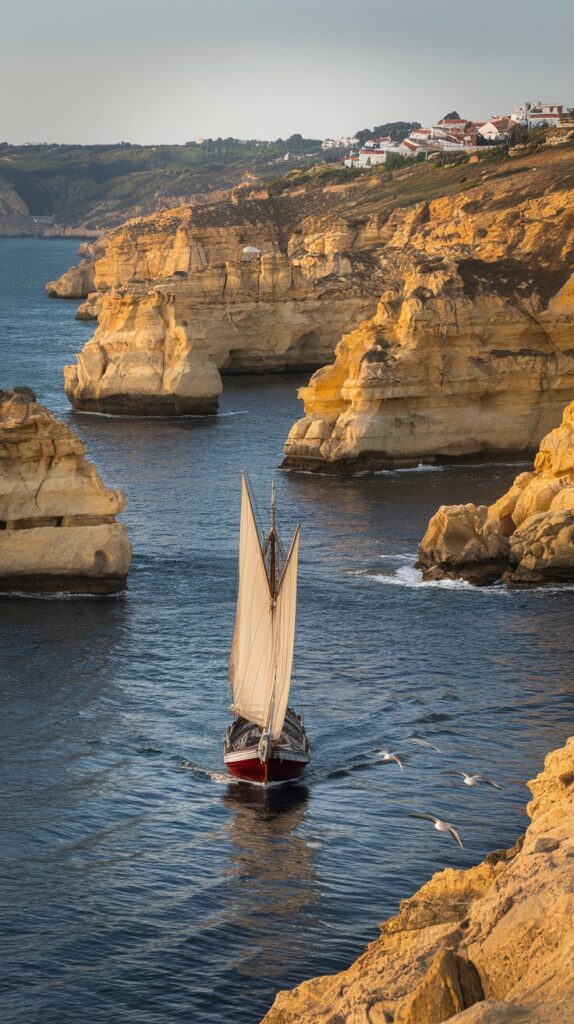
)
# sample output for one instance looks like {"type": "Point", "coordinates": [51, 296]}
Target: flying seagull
{"type": "Point", "coordinates": [423, 743]}
{"type": "Point", "coordinates": [440, 825]}
{"type": "Point", "coordinates": [386, 755]}
{"type": "Point", "coordinates": [472, 780]}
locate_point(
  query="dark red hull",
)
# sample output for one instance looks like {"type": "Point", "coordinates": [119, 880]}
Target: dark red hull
{"type": "Point", "coordinates": [274, 770]}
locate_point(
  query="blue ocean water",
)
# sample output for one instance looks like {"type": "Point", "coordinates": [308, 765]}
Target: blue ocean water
{"type": "Point", "coordinates": [138, 884]}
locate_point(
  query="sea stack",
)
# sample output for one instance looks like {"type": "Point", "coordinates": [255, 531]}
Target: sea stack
{"type": "Point", "coordinates": [141, 363]}
{"type": "Point", "coordinates": [490, 945]}
{"type": "Point", "coordinates": [58, 529]}
{"type": "Point", "coordinates": [526, 537]}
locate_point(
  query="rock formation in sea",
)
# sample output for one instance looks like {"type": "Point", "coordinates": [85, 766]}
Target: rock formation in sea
{"type": "Point", "coordinates": [75, 283]}
{"type": "Point", "coordinates": [58, 529]}
{"type": "Point", "coordinates": [490, 945]}
{"type": "Point", "coordinates": [455, 283]}
{"type": "Point", "coordinates": [471, 347]}
{"type": "Point", "coordinates": [241, 283]}
{"type": "Point", "coordinates": [526, 537]}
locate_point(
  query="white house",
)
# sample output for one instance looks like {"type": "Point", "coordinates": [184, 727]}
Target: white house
{"type": "Point", "coordinates": [496, 130]}
{"type": "Point", "coordinates": [539, 114]}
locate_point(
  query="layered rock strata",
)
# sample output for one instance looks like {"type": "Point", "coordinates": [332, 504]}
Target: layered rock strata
{"type": "Point", "coordinates": [491, 944]}
{"type": "Point", "coordinates": [471, 349]}
{"type": "Point", "coordinates": [75, 283]}
{"type": "Point", "coordinates": [526, 537]}
{"type": "Point", "coordinates": [58, 529]}
{"type": "Point", "coordinates": [229, 287]}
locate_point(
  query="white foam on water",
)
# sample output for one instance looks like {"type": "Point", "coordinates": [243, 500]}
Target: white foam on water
{"type": "Point", "coordinates": [408, 576]}
{"type": "Point", "coordinates": [220, 778]}
{"type": "Point", "coordinates": [226, 779]}
{"type": "Point", "coordinates": [423, 467]}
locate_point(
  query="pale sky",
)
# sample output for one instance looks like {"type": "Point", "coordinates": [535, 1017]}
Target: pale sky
{"type": "Point", "coordinates": [169, 71]}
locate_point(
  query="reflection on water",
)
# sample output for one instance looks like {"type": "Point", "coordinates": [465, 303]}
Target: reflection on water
{"type": "Point", "coordinates": [273, 878]}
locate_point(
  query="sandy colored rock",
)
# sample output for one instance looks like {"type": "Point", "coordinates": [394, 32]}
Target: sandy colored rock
{"type": "Point", "coordinates": [246, 283]}
{"type": "Point", "coordinates": [490, 945]}
{"type": "Point", "coordinates": [57, 519]}
{"type": "Point", "coordinates": [89, 309]}
{"type": "Point", "coordinates": [140, 362]}
{"type": "Point", "coordinates": [470, 349]}
{"type": "Point", "coordinates": [75, 283]}
{"type": "Point", "coordinates": [527, 536]}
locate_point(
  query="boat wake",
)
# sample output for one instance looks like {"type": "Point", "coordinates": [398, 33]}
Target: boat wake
{"type": "Point", "coordinates": [219, 777]}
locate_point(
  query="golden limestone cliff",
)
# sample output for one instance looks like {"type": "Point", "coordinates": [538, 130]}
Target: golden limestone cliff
{"type": "Point", "coordinates": [471, 348]}
{"type": "Point", "coordinates": [77, 282]}
{"type": "Point", "coordinates": [240, 284]}
{"type": "Point", "coordinates": [490, 945]}
{"type": "Point", "coordinates": [527, 536]}
{"type": "Point", "coordinates": [464, 273]}
{"type": "Point", "coordinates": [58, 529]}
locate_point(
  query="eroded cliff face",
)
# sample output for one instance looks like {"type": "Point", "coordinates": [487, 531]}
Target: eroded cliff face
{"type": "Point", "coordinates": [527, 536]}
{"type": "Point", "coordinates": [75, 283]}
{"type": "Point", "coordinates": [58, 528]}
{"type": "Point", "coordinates": [492, 944]}
{"type": "Point", "coordinates": [471, 348]}
{"type": "Point", "coordinates": [238, 285]}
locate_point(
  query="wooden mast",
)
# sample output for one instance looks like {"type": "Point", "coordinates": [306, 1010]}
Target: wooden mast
{"type": "Point", "coordinates": [273, 548]}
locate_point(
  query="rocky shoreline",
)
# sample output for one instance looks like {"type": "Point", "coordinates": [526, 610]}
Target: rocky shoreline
{"type": "Point", "coordinates": [526, 538]}
{"type": "Point", "coordinates": [58, 529]}
{"type": "Point", "coordinates": [490, 945]}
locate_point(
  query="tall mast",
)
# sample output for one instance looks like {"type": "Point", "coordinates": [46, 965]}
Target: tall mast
{"type": "Point", "coordinates": [273, 547]}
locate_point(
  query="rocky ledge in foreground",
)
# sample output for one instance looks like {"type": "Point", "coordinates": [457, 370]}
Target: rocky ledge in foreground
{"type": "Point", "coordinates": [490, 945]}
{"type": "Point", "coordinates": [58, 530]}
{"type": "Point", "coordinates": [526, 537]}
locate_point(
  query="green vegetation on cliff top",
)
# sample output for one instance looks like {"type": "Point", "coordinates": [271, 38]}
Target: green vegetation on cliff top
{"type": "Point", "coordinates": [94, 187]}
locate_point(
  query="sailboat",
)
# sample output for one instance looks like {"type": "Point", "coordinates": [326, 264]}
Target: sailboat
{"type": "Point", "coordinates": [267, 741]}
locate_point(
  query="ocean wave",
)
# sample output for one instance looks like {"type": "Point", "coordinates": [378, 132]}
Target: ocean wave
{"type": "Point", "coordinates": [408, 576]}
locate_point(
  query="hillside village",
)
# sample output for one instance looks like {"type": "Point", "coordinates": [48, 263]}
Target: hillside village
{"type": "Point", "coordinates": [453, 133]}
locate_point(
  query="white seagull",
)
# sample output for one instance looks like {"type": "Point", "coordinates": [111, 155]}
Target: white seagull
{"type": "Point", "coordinates": [473, 780]}
{"type": "Point", "coordinates": [440, 825]}
{"type": "Point", "coordinates": [423, 743]}
{"type": "Point", "coordinates": [387, 755]}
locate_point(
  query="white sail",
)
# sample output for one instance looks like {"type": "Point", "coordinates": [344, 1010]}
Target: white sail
{"type": "Point", "coordinates": [284, 635]}
{"type": "Point", "coordinates": [262, 650]}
